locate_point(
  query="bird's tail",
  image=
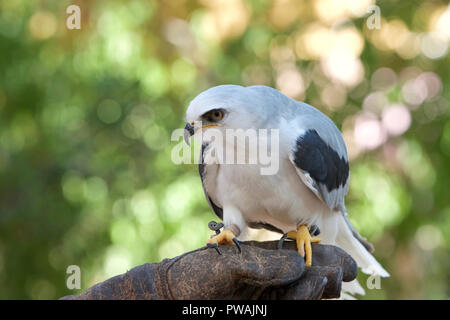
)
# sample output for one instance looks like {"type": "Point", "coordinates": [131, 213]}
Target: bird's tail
{"type": "Point", "coordinates": [354, 244]}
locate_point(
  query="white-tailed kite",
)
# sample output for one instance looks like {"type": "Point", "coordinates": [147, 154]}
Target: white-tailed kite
{"type": "Point", "coordinates": [308, 188]}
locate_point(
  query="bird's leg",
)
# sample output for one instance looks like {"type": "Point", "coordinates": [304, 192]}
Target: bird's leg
{"type": "Point", "coordinates": [313, 231]}
{"type": "Point", "coordinates": [304, 240]}
{"type": "Point", "coordinates": [214, 226]}
{"type": "Point", "coordinates": [228, 235]}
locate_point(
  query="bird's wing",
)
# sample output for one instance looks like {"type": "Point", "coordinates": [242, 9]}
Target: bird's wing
{"type": "Point", "coordinates": [208, 175]}
{"type": "Point", "coordinates": [319, 155]}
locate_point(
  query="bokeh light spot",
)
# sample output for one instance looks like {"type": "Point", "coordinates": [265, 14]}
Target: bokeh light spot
{"type": "Point", "coordinates": [109, 111]}
{"type": "Point", "coordinates": [42, 25]}
{"type": "Point", "coordinates": [396, 119]}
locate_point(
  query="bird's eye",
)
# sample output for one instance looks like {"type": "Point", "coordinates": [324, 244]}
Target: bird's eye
{"type": "Point", "coordinates": [216, 115]}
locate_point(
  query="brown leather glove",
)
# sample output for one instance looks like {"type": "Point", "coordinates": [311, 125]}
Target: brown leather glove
{"type": "Point", "coordinates": [261, 271]}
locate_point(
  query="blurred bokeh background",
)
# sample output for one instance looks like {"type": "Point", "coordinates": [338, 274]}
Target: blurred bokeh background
{"type": "Point", "coordinates": [86, 176]}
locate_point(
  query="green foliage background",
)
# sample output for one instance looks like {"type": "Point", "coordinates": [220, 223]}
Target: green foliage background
{"type": "Point", "coordinates": [86, 116]}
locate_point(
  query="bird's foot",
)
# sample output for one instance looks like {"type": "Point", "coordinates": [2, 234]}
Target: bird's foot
{"type": "Point", "coordinates": [304, 238]}
{"type": "Point", "coordinates": [226, 236]}
{"type": "Point", "coordinates": [313, 231]}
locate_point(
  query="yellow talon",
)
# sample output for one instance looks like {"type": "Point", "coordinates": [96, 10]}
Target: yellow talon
{"type": "Point", "coordinates": [304, 241]}
{"type": "Point", "coordinates": [226, 236]}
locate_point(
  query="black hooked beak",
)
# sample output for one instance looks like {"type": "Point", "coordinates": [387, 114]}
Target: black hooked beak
{"type": "Point", "coordinates": [188, 132]}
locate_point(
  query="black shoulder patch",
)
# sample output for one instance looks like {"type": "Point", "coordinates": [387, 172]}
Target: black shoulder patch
{"type": "Point", "coordinates": [318, 159]}
{"type": "Point", "coordinates": [201, 170]}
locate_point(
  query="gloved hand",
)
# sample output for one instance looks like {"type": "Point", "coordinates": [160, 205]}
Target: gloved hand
{"type": "Point", "coordinates": [260, 271]}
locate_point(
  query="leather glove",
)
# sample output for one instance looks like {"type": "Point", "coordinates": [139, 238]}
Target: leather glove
{"type": "Point", "coordinates": [260, 271]}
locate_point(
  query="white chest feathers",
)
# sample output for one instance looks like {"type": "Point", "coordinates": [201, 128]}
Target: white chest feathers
{"type": "Point", "coordinates": [281, 200]}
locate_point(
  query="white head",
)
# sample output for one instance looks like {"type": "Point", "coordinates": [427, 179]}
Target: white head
{"type": "Point", "coordinates": [227, 107]}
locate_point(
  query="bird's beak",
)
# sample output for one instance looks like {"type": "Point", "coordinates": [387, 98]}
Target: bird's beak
{"type": "Point", "coordinates": [188, 132]}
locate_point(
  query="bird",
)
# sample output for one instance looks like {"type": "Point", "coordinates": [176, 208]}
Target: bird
{"type": "Point", "coordinates": [308, 188]}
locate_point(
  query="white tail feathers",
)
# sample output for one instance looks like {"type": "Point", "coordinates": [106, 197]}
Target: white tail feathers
{"type": "Point", "coordinates": [337, 230]}
{"type": "Point", "coordinates": [351, 288]}
{"type": "Point", "coordinates": [347, 241]}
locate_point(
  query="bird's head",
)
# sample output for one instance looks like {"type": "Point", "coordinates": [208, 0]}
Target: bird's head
{"type": "Point", "coordinates": [222, 107]}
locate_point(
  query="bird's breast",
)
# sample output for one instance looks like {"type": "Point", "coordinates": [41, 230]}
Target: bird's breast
{"type": "Point", "coordinates": [279, 199]}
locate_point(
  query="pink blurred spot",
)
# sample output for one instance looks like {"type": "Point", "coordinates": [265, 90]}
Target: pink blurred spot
{"type": "Point", "coordinates": [383, 78]}
{"type": "Point", "coordinates": [368, 131]}
{"type": "Point", "coordinates": [415, 91]}
{"type": "Point", "coordinates": [433, 83]}
{"type": "Point", "coordinates": [396, 119]}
